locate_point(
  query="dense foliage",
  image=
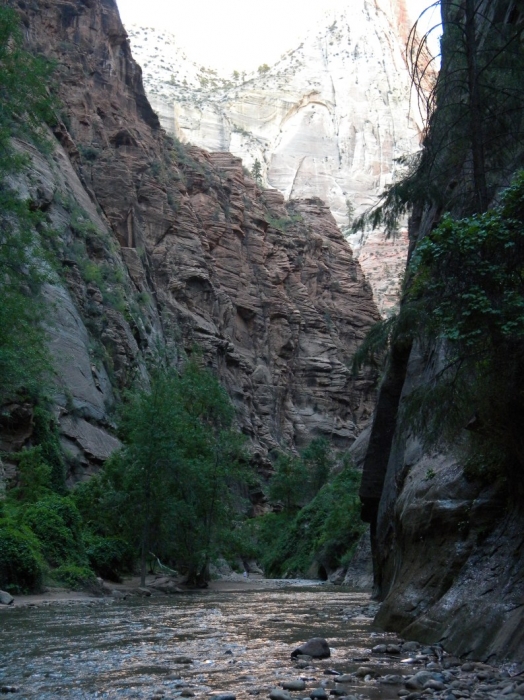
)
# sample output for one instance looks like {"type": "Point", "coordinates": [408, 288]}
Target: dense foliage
{"type": "Point", "coordinates": [318, 538]}
{"type": "Point", "coordinates": [174, 488]}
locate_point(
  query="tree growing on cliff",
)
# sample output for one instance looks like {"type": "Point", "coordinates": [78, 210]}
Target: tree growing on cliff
{"type": "Point", "coordinates": [256, 172]}
{"type": "Point", "coordinates": [474, 134]}
{"type": "Point", "coordinates": [25, 104]}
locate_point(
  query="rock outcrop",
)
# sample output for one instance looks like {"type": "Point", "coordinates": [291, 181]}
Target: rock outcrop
{"type": "Point", "coordinates": [447, 540]}
{"type": "Point", "coordinates": [158, 242]}
{"type": "Point", "coordinates": [330, 119]}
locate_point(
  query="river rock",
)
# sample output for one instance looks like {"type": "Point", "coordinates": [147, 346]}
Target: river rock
{"type": "Point", "coordinates": [432, 684]}
{"type": "Point", "coordinates": [419, 680]}
{"type": "Point", "coordinates": [277, 694]}
{"type": "Point", "coordinates": [318, 694]}
{"type": "Point", "coordinates": [8, 689]}
{"type": "Point", "coordinates": [317, 648]}
{"type": "Point", "coordinates": [392, 679]}
{"type": "Point", "coordinates": [187, 693]}
{"type": "Point", "coordinates": [379, 649]}
{"type": "Point", "coordinates": [410, 646]}
{"type": "Point", "coordinates": [6, 598]}
{"type": "Point", "coordinates": [294, 685]}
{"type": "Point", "coordinates": [337, 691]}
{"type": "Point", "coordinates": [182, 660]}
{"type": "Point", "coordinates": [225, 696]}
{"type": "Point", "coordinates": [363, 671]}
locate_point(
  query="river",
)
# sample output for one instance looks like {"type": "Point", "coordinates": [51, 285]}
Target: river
{"type": "Point", "coordinates": [195, 644]}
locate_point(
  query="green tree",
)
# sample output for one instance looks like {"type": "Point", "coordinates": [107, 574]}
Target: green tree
{"type": "Point", "coordinates": [256, 172]}
{"type": "Point", "coordinates": [318, 459]}
{"type": "Point", "coordinates": [264, 68]}
{"type": "Point", "coordinates": [172, 482]}
{"type": "Point", "coordinates": [289, 483]}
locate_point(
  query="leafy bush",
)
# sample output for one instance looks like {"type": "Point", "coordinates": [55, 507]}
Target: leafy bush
{"type": "Point", "coordinates": [325, 531]}
{"type": "Point", "coordinates": [109, 556]}
{"type": "Point", "coordinates": [57, 524]}
{"type": "Point", "coordinates": [34, 476]}
{"type": "Point", "coordinates": [75, 577]}
{"type": "Point", "coordinates": [21, 563]}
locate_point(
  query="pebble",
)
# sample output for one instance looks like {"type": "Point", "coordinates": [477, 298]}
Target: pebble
{"type": "Point", "coordinates": [225, 696]}
{"type": "Point", "coordinates": [186, 693]}
{"type": "Point", "coordinates": [340, 692]}
{"type": "Point", "coordinates": [182, 660]}
{"type": "Point", "coordinates": [294, 685]}
{"type": "Point", "coordinates": [364, 671]}
{"type": "Point", "coordinates": [318, 694]}
{"type": "Point", "coordinates": [392, 679]}
{"type": "Point", "coordinates": [8, 689]}
{"type": "Point", "coordinates": [277, 694]}
{"type": "Point", "coordinates": [379, 649]}
{"type": "Point", "coordinates": [345, 678]}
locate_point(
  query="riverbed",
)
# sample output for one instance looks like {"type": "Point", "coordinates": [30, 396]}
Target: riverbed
{"type": "Point", "coordinates": [194, 644]}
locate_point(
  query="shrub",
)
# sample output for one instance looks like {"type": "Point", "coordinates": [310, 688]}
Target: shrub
{"type": "Point", "coordinates": [21, 564]}
{"type": "Point", "coordinates": [56, 523]}
{"type": "Point", "coordinates": [73, 576]}
{"type": "Point", "coordinates": [108, 556]}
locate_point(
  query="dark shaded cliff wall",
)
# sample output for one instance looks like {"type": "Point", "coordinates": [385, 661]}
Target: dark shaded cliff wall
{"type": "Point", "coordinates": [448, 552]}
{"type": "Point", "coordinates": [162, 245]}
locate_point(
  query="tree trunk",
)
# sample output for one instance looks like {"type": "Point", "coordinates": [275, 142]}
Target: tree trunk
{"type": "Point", "coordinates": [143, 554]}
{"type": "Point", "coordinates": [477, 137]}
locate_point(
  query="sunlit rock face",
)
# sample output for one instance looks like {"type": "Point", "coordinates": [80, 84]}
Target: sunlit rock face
{"type": "Point", "coordinates": [328, 120]}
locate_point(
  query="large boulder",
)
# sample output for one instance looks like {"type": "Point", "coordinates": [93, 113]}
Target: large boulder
{"type": "Point", "coordinates": [317, 648]}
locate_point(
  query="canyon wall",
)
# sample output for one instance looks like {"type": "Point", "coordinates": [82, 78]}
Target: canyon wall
{"type": "Point", "coordinates": [447, 542]}
{"type": "Point", "coordinates": [330, 119]}
{"type": "Point", "coordinates": [163, 245]}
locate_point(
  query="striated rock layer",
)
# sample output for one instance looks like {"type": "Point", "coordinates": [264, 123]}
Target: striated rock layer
{"type": "Point", "coordinates": [329, 119]}
{"type": "Point", "coordinates": [163, 243]}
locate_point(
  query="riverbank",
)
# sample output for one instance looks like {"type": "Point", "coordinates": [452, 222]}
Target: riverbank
{"type": "Point", "coordinates": [156, 585]}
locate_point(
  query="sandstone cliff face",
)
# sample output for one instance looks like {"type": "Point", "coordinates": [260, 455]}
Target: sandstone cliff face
{"type": "Point", "coordinates": [163, 243]}
{"type": "Point", "coordinates": [447, 549]}
{"type": "Point", "coordinates": [328, 120]}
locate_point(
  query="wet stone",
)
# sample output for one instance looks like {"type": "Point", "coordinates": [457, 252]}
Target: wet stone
{"type": "Point", "coordinates": [318, 694]}
{"type": "Point", "coordinates": [392, 649]}
{"type": "Point", "coordinates": [364, 671]}
{"type": "Point", "coordinates": [379, 649]}
{"type": "Point", "coordinates": [294, 685]}
{"type": "Point", "coordinates": [277, 694]}
{"type": "Point", "coordinates": [225, 696]}
{"type": "Point", "coordinates": [345, 678]}
{"type": "Point", "coordinates": [6, 599]}
{"type": "Point", "coordinates": [182, 660]}
{"type": "Point", "coordinates": [340, 692]}
{"type": "Point", "coordinates": [392, 679]}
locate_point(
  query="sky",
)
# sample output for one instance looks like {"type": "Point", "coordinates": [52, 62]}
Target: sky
{"type": "Point", "coordinates": [236, 34]}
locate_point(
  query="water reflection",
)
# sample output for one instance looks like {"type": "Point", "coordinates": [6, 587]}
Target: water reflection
{"type": "Point", "coordinates": [192, 644]}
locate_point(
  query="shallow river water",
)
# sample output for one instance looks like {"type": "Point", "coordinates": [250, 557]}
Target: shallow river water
{"type": "Point", "coordinates": [238, 642]}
